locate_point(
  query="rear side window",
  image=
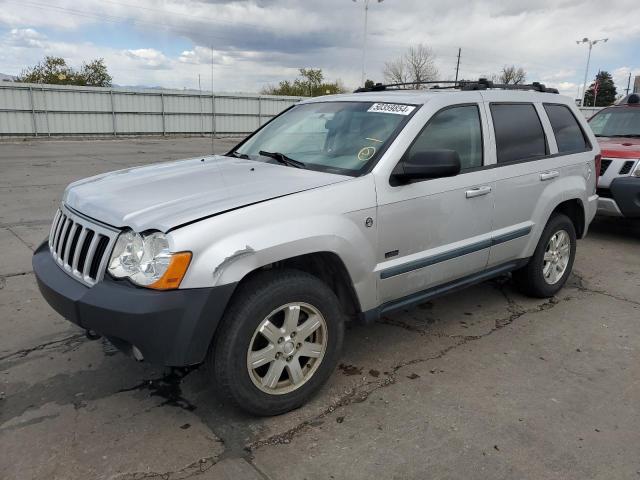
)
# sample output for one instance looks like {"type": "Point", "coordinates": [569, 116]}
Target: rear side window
{"type": "Point", "coordinates": [455, 128]}
{"type": "Point", "coordinates": [569, 135]}
{"type": "Point", "coordinates": [519, 133]}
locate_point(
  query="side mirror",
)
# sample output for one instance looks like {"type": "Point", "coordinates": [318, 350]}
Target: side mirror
{"type": "Point", "coordinates": [428, 164]}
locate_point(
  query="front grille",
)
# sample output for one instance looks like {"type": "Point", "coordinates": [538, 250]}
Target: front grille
{"type": "Point", "coordinates": [604, 164]}
{"type": "Point", "coordinates": [626, 168]}
{"type": "Point", "coordinates": [80, 246]}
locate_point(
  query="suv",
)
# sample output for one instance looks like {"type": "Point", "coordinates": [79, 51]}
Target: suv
{"type": "Point", "coordinates": [342, 207]}
{"type": "Point", "coordinates": [618, 132]}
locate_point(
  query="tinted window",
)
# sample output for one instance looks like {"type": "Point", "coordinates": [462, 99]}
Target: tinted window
{"type": "Point", "coordinates": [519, 134]}
{"type": "Point", "coordinates": [569, 136]}
{"type": "Point", "coordinates": [456, 128]}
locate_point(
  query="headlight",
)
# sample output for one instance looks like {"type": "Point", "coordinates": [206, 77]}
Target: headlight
{"type": "Point", "coordinates": [147, 261]}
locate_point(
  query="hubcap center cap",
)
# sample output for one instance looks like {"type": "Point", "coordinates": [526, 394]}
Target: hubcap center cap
{"type": "Point", "coordinates": [288, 348]}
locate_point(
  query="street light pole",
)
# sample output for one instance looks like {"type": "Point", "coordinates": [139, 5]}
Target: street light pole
{"type": "Point", "coordinates": [591, 43]}
{"type": "Point", "coordinates": [364, 38]}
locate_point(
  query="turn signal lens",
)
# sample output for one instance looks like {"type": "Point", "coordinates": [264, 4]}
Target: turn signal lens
{"type": "Point", "coordinates": [175, 272]}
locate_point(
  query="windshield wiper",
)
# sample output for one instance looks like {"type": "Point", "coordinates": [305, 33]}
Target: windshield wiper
{"type": "Point", "coordinates": [238, 155]}
{"type": "Point", "coordinates": [282, 158]}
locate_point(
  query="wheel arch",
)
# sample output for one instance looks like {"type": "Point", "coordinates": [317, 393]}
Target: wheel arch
{"type": "Point", "coordinates": [574, 209]}
{"type": "Point", "coordinates": [325, 265]}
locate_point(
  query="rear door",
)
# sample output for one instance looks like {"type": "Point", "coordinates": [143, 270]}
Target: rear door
{"type": "Point", "coordinates": [528, 162]}
{"type": "Point", "coordinates": [521, 147]}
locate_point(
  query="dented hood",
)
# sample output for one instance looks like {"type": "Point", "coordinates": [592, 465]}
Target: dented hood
{"type": "Point", "coordinates": [166, 195]}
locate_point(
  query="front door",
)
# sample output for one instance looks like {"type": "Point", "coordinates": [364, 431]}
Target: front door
{"type": "Point", "coordinates": [437, 230]}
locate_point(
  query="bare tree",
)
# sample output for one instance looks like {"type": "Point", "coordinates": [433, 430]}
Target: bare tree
{"type": "Point", "coordinates": [417, 64]}
{"type": "Point", "coordinates": [395, 71]}
{"type": "Point", "coordinates": [512, 75]}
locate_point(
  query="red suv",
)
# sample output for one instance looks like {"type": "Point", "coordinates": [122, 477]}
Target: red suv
{"type": "Point", "coordinates": [618, 132]}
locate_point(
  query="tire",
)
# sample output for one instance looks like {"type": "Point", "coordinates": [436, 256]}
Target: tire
{"type": "Point", "coordinates": [530, 279]}
{"type": "Point", "coordinates": [275, 296]}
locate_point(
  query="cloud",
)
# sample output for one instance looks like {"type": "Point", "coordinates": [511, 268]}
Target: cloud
{"type": "Point", "coordinates": [25, 37]}
{"type": "Point", "coordinates": [149, 58]}
{"type": "Point", "coordinates": [257, 42]}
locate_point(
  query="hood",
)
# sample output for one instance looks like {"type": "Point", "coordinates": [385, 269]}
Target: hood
{"type": "Point", "coordinates": [620, 147]}
{"type": "Point", "coordinates": [166, 195]}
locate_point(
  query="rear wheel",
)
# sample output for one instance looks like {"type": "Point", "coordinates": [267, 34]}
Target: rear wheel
{"type": "Point", "coordinates": [279, 342]}
{"type": "Point", "coordinates": [552, 261]}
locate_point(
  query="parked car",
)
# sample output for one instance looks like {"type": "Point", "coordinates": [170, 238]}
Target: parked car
{"type": "Point", "coordinates": [618, 132]}
{"type": "Point", "coordinates": [343, 207]}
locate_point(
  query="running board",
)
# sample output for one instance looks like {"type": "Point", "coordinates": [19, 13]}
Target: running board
{"type": "Point", "coordinates": [423, 296]}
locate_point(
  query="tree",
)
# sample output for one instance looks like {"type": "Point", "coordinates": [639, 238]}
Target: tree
{"type": "Point", "coordinates": [310, 84]}
{"type": "Point", "coordinates": [55, 71]}
{"type": "Point", "coordinates": [94, 74]}
{"type": "Point", "coordinates": [417, 64]}
{"type": "Point", "coordinates": [512, 75]}
{"type": "Point", "coordinates": [606, 91]}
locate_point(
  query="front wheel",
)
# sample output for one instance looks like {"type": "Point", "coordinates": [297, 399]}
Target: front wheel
{"type": "Point", "coordinates": [552, 261]}
{"type": "Point", "coordinates": [278, 343]}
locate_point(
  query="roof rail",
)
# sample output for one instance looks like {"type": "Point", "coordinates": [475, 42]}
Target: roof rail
{"type": "Point", "coordinates": [480, 84]}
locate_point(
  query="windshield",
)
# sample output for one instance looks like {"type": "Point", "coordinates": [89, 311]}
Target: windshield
{"type": "Point", "coordinates": [616, 122]}
{"type": "Point", "coordinates": [337, 137]}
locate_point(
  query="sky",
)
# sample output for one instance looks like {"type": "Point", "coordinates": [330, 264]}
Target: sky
{"type": "Point", "coordinates": [255, 43]}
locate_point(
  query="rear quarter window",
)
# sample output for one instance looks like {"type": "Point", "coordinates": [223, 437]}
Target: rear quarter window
{"type": "Point", "coordinates": [519, 133]}
{"type": "Point", "coordinates": [569, 135]}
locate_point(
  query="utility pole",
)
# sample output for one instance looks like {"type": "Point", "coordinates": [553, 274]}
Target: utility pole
{"type": "Point", "coordinates": [364, 38]}
{"type": "Point", "coordinates": [628, 83]}
{"type": "Point", "coordinates": [213, 109]}
{"type": "Point", "coordinates": [458, 65]}
{"type": "Point", "coordinates": [591, 43]}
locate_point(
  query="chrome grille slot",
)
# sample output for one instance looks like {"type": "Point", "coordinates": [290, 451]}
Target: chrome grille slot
{"type": "Point", "coordinates": [80, 245]}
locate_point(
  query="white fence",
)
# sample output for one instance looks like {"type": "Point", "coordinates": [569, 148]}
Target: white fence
{"type": "Point", "coordinates": [53, 110]}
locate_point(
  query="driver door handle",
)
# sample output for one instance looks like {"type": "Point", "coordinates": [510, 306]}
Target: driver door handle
{"type": "Point", "coordinates": [478, 191]}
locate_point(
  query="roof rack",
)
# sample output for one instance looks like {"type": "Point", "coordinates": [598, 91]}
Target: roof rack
{"type": "Point", "coordinates": [480, 84]}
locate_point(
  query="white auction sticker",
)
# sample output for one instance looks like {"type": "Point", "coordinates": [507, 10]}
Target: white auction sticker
{"type": "Point", "coordinates": [391, 108]}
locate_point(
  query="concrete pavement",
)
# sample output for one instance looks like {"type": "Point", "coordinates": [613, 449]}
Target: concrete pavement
{"type": "Point", "coordinates": [481, 384]}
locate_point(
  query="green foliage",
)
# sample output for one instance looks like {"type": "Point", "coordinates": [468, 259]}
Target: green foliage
{"type": "Point", "coordinates": [55, 71]}
{"type": "Point", "coordinates": [606, 91]}
{"type": "Point", "coordinates": [309, 84]}
{"type": "Point", "coordinates": [368, 83]}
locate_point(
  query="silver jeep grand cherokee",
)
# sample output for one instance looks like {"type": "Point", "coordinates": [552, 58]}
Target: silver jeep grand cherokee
{"type": "Point", "coordinates": [346, 206]}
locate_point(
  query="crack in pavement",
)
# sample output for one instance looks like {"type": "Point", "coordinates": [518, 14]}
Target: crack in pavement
{"type": "Point", "coordinates": [26, 223]}
{"type": "Point", "coordinates": [71, 342]}
{"type": "Point", "coordinates": [196, 468]}
{"type": "Point", "coordinates": [360, 393]}
{"type": "Point", "coordinates": [580, 284]}
{"type": "Point", "coordinates": [16, 274]}
{"type": "Point", "coordinates": [20, 239]}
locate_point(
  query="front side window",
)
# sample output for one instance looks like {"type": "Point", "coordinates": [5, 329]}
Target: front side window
{"type": "Point", "coordinates": [456, 128]}
{"type": "Point", "coordinates": [519, 133]}
{"type": "Point", "coordinates": [569, 136]}
{"type": "Point", "coordinates": [337, 137]}
{"type": "Point", "coordinates": [616, 122]}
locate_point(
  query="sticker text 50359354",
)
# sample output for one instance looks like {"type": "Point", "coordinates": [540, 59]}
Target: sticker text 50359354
{"type": "Point", "coordinates": [396, 108]}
